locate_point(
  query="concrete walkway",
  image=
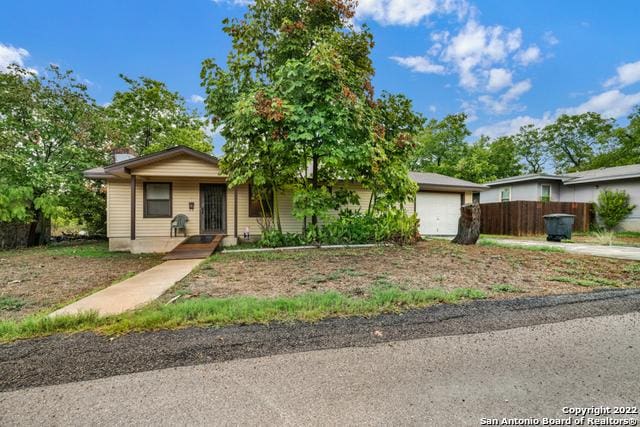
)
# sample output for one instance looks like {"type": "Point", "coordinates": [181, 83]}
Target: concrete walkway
{"type": "Point", "coordinates": [621, 252]}
{"type": "Point", "coordinates": [134, 292]}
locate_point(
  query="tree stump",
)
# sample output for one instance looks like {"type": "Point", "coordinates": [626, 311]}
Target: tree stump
{"type": "Point", "coordinates": [468, 225]}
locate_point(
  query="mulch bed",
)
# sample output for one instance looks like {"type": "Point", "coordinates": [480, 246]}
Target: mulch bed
{"type": "Point", "coordinates": [429, 264]}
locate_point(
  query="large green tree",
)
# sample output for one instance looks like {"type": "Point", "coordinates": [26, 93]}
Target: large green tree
{"type": "Point", "coordinates": [442, 145]}
{"type": "Point", "coordinates": [148, 117]}
{"type": "Point", "coordinates": [627, 149]}
{"type": "Point", "coordinates": [531, 148]}
{"type": "Point", "coordinates": [575, 140]}
{"type": "Point", "coordinates": [50, 131]}
{"type": "Point", "coordinates": [295, 104]}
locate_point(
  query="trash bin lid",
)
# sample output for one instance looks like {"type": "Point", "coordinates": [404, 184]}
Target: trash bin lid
{"type": "Point", "coordinates": [559, 215]}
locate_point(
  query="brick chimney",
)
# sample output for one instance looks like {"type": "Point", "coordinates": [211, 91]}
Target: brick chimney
{"type": "Point", "coordinates": [121, 154]}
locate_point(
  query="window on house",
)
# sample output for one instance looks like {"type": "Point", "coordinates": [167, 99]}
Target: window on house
{"type": "Point", "coordinates": [545, 193]}
{"type": "Point", "coordinates": [505, 194]}
{"type": "Point", "coordinates": [476, 197]}
{"type": "Point", "coordinates": [157, 200]}
{"type": "Point", "coordinates": [260, 203]}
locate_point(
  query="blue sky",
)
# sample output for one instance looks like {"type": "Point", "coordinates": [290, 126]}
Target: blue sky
{"type": "Point", "coordinates": [505, 63]}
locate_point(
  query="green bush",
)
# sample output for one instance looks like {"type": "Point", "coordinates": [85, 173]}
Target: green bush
{"type": "Point", "coordinates": [272, 238]}
{"type": "Point", "coordinates": [351, 228]}
{"type": "Point", "coordinates": [613, 207]}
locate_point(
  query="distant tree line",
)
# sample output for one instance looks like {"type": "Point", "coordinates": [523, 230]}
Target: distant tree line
{"type": "Point", "coordinates": [571, 143]}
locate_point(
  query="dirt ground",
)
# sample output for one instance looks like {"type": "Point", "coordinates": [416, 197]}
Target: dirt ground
{"type": "Point", "coordinates": [38, 279]}
{"type": "Point", "coordinates": [501, 272]}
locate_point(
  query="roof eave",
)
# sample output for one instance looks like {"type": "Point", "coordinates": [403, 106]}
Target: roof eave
{"type": "Point", "coordinates": [576, 181]}
{"type": "Point", "coordinates": [125, 165]}
{"type": "Point", "coordinates": [529, 178]}
{"type": "Point", "coordinates": [444, 187]}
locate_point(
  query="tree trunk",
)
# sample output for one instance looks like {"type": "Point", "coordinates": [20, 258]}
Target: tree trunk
{"type": "Point", "coordinates": [40, 230]}
{"type": "Point", "coordinates": [276, 209]}
{"type": "Point", "coordinates": [468, 225]}
{"type": "Point", "coordinates": [314, 183]}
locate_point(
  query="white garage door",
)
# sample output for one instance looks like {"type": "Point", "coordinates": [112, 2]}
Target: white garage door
{"type": "Point", "coordinates": [438, 213]}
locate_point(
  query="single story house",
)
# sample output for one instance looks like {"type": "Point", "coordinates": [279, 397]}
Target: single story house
{"type": "Point", "coordinates": [145, 193]}
{"type": "Point", "coordinates": [570, 187]}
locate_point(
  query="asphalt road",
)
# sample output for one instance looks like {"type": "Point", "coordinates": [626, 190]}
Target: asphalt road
{"type": "Point", "coordinates": [531, 371]}
{"type": "Point", "coordinates": [62, 359]}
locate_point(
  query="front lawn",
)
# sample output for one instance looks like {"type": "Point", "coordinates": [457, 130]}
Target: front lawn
{"type": "Point", "coordinates": [313, 284]}
{"type": "Point", "coordinates": [43, 278]}
{"type": "Point", "coordinates": [433, 264]}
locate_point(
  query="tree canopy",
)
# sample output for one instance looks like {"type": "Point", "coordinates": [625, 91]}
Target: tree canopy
{"type": "Point", "coordinates": [50, 131]}
{"type": "Point", "coordinates": [148, 117]}
{"type": "Point", "coordinates": [297, 109]}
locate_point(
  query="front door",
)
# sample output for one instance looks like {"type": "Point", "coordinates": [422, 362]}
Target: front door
{"type": "Point", "coordinates": [213, 208]}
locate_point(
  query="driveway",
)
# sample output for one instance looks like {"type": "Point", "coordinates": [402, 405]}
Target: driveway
{"type": "Point", "coordinates": [533, 371]}
{"type": "Point", "coordinates": [620, 252]}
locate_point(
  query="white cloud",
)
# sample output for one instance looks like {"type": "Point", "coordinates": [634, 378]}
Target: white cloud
{"type": "Point", "coordinates": [408, 12]}
{"type": "Point", "coordinates": [233, 2]}
{"type": "Point", "coordinates": [396, 12]}
{"type": "Point", "coordinates": [626, 74]}
{"type": "Point", "coordinates": [505, 103]}
{"type": "Point", "coordinates": [550, 38]}
{"type": "Point", "coordinates": [498, 78]}
{"type": "Point", "coordinates": [476, 48]}
{"type": "Point", "coordinates": [529, 56]}
{"type": "Point", "coordinates": [432, 108]}
{"type": "Point", "coordinates": [511, 126]}
{"type": "Point", "coordinates": [196, 99]}
{"type": "Point", "coordinates": [12, 55]}
{"type": "Point", "coordinates": [419, 64]}
{"type": "Point", "coordinates": [517, 90]}
{"type": "Point", "coordinates": [612, 103]}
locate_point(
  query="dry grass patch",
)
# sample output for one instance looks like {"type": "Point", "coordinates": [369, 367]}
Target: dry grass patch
{"type": "Point", "coordinates": [427, 265]}
{"type": "Point", "coordinates": [38, 279]}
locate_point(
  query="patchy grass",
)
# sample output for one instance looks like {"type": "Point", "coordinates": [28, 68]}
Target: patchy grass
{"type": "Point", "coordinates": [589, 282]}
{"type": "Point", "coordinates": [45, 278]}
{"type": "Point", "coordinates": [535, 248]}
{"type": "Point", "coordinates": [11, 303]}
{"type": "Point", "coordinates": [311, 306]}
{"type": "Point", "coordinates": [506, 288]}
{"type": "Point", "coordinates": [427, 265]}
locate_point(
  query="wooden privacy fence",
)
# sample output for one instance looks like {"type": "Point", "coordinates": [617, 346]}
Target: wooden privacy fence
{"type": "Point", "coordinates": [526, 218]}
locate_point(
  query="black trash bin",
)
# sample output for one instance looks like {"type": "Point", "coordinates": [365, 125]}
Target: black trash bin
{"type": "Point", "coordinates": [559, 226]}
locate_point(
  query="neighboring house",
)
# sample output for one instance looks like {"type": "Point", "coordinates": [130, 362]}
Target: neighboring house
{"type": "Point", "coordinates": [145, 193]}
{"type": "Point", "coordinates": [570, 187]}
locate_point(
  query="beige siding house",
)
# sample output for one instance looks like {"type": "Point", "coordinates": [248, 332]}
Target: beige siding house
{"type": "Point", "coordinates": [145, 193]}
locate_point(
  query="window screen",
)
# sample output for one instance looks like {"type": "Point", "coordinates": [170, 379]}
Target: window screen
{"type": "Point", "coordinates": [258, 202]}
{"type": "Point", "coordinates": [157, 200]}
{"type": "Point", "coordinates": [545, 194]}
{"type": "Point", "coordinates": [505, 195]}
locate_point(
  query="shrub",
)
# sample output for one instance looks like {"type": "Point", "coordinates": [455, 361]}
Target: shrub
{"type": "Point", "coordinates": [351, 228]}
{"type": "Point", "coordinates": [356, 227]}
{"type": "Point", "coordinates": [272, 238]}
{"type": "Point", "coordinates": [613, 207]}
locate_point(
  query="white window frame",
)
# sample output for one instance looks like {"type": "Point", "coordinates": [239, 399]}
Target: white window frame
{"type": "Point", "coordinates": [541, 195]}
{"type": "Point", "coordinates": [500, 194]}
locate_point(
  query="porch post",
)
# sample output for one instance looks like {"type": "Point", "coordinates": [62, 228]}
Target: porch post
{"type": "Point", "coordinates": [133, 207]}
{"type": "Point", "coordinates": [235, 211]}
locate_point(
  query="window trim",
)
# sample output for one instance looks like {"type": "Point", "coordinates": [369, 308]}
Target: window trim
{"type": "Point", "coordinates": [541, 195]}
{"type": "Point", "coordinates": [500, 194]}
{"type": "Point", "coordinates": [249, 213]}
{"type": "Point", "coordinates": [145, 213]}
